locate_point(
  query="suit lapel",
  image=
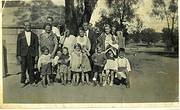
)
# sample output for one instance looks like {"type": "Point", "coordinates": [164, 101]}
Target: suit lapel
{"type": "Point", "coordinates": [24, 38]}
{"type": "Point", "coordinates": [31, 40]}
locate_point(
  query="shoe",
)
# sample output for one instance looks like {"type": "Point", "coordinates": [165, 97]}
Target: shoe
{"type": "Point", "coordinates": [22, 85]}
{"type": "Point", "coordinates": [94, 79]}
{"type": "Point", "coordinates": [32, 84]}
{"type": "Point", "coordinates": [69, 83]}
{"type": "Point", "coordinates": [104, 84]}
{"type": "Point", "coordinates": [111, 84]}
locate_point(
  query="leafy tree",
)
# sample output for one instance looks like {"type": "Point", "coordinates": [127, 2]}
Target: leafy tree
{"type": "Point", "coordinates": [76, 15]}
{"type": "Point", "coordinates": [149, 36]}
{"type": "Point", "coordinates": [37, 12]}
{"type": "Point", "coordinates": [123, 12]}
{"type": "Point", "coordinates": [167, 10]}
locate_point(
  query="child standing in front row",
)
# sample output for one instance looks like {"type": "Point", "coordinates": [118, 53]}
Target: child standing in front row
{"type": "Point", "coordinates": [76, 63]}
{"type": "Point", "coordinates": [44, 66]}
{"type": "Point", "coordinates": [99, 59]}
{"type": "Point", "coordinates": [63, 66]}
{"type": "Point", "coordinates": [123, 68]}
{"type": "Point", "coordinates": [110, 67]}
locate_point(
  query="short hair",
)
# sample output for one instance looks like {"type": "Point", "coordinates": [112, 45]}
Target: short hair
{"type": "Point", "coordinates": [49, 17]}
{"type": "Point", "coordinates": [77, 45]}
{"type": "Point", "coordinates": [47, 24]}
{"type": "Point", "coordinates": [80, 28]}
{"type": "Point", "coordinates": [26, 22]}
{"type": "Point", "coordinates": [44, 48]}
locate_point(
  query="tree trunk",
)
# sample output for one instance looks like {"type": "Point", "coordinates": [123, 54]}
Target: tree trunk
{"type": "Point", "coordinates": [70, 16]}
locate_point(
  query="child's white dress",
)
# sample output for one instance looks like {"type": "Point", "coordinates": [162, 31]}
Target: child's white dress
{"type": "Point", "coordinates": [111, 65]}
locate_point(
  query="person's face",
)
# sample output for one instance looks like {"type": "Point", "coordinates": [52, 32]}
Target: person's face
{"type": "Point", "coordinates": [119, 33]}
{"type": "Point", "coordinates": [65, 51]}
{"type": "Point", "coordinates": [99, 50]}
{"type": "Point", "coordinates": [85, 26]}
{"type": "Point", "coordinates": [113, 29]}
{"type": "Point", "coordinates": [48, 29]}
{"type": "Point", "coordinates": [107, 30]}
{"type": "Point", "coordinates": [81, 33]}
{"type": "Point", "coordinates": [27, 26]}
{"type": "Point", "coordinates": [59, 53]}
{"type": "Point", "coordinates": [49, 20]}
{"type": "Point", "coordinates": [67, 33]}
{"type": "Point", "coordinates": [110, 54]}
{"type": "Point", "coordinates": [121, 54]}
{"type": "Point", "coordinates": [77, 48]}
{"type": "Point", "coordinates": [46, 52]}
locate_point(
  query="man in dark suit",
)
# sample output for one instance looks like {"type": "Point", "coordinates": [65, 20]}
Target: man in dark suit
{"type": "Point", "coordinates": [91, 35]}
{"type": "Point", "coordinates": [27, 53]}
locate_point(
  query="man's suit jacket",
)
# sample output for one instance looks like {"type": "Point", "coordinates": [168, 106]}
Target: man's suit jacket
{"type": "Point", "coordinates": [22, 47]}
{"type": "Point", "coordinates": [92, 37]}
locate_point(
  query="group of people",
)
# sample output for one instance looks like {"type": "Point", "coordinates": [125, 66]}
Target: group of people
{"type": "Point", "coordinates": [88, 58]}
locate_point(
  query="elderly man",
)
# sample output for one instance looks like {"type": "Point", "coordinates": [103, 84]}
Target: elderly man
{"type": "Point", "coordinates": [27, 53]}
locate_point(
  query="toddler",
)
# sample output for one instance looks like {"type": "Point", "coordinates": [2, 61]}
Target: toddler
{"type": "Point", "coordinates": [123, 68]}
{"type": "Point", "coordinates": [44, 66]}
{"type": "Point", "coordinates": [110, 67]}
{"type": "Point", "coordinates": [99, 59]}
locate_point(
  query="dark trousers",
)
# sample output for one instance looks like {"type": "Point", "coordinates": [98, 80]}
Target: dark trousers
{"type": "Point", "coordinates": [27, 63]}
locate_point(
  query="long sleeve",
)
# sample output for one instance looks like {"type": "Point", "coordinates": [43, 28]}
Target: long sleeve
{"type": "Point", "coordinates": [128, 65]}
{"type": "Point", "coordinates": [56, 31]}
{"type": "Point", "coordinates": [88, 44]}
{"type": "Point", "coordinates": [36, 45]}
{"type": "Point", "coordinates": [39, 64]}
{"type": "Point", "coordinates": [18, 52]}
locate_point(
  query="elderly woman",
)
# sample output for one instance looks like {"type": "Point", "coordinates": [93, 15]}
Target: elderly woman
{"type": "Point", "coordinates": [49, 39]}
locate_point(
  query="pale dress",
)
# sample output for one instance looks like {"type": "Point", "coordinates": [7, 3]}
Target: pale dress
{"type": "Point", "coordinates": [76, 61]}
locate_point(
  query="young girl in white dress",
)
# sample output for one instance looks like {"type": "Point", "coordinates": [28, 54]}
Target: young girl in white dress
{"type": "Point", "coordinates": [110, 67]}
{"type": "Point", "coordinates": [85, 48]}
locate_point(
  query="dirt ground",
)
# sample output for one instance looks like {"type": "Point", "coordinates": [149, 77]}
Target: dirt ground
{"type": "Point", "coordinates": [154, 79]}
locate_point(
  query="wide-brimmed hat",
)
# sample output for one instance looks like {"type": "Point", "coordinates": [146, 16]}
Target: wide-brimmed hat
{"type": "Point", "coordinates": [111, 49]}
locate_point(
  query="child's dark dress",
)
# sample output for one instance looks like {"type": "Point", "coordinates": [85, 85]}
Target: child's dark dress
{"type": "Point", "coordinates": [63, 66]}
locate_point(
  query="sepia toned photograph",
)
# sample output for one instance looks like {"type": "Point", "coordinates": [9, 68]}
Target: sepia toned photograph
{"type": "Point", "coordinates": [90, 51]}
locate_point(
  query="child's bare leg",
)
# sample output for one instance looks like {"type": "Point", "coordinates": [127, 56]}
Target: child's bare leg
{"type": "Point", "coordinates": [87, 78]}
{"type": "Point", "coordinates": [77, 78]}
{"type": "Point", "coordinates": [62, 77]}
{"type": "Point", "coordinates": [100, 79]}
{"type": "Point", "coordinates": [105, 78]}
{"type": "Point", "coordinates": [95, 76]}
{"type": "Point", "coordinates": [74, 78]}
{"type": "Point", "coordinates": [65, 78]}
{"type": "Point", "coordinates": [112, 78]}
{"type": "Point", "coordinates": [43, 82]}
{"type": "Point", "coordinates": [82, 78]}
{"type": "Point", "coordinates": [127, 80]}
{"type": "Point", "coordinates": [69, 77]}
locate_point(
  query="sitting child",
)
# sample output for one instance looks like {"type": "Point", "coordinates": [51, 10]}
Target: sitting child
{"type": "Point", "coordinates": [44, 66]}
{"type": "Point", "coordinates": [99, 60]}
{"type": "Point", "coordinates": [123, 68]}
{"type": "Point", "coordinates": [110, 67]}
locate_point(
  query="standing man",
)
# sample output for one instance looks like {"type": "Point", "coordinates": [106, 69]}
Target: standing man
{"type": "Point", "coordinates": [91, 35]}
{"type": "Point", "coordinates": [27, 53]}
